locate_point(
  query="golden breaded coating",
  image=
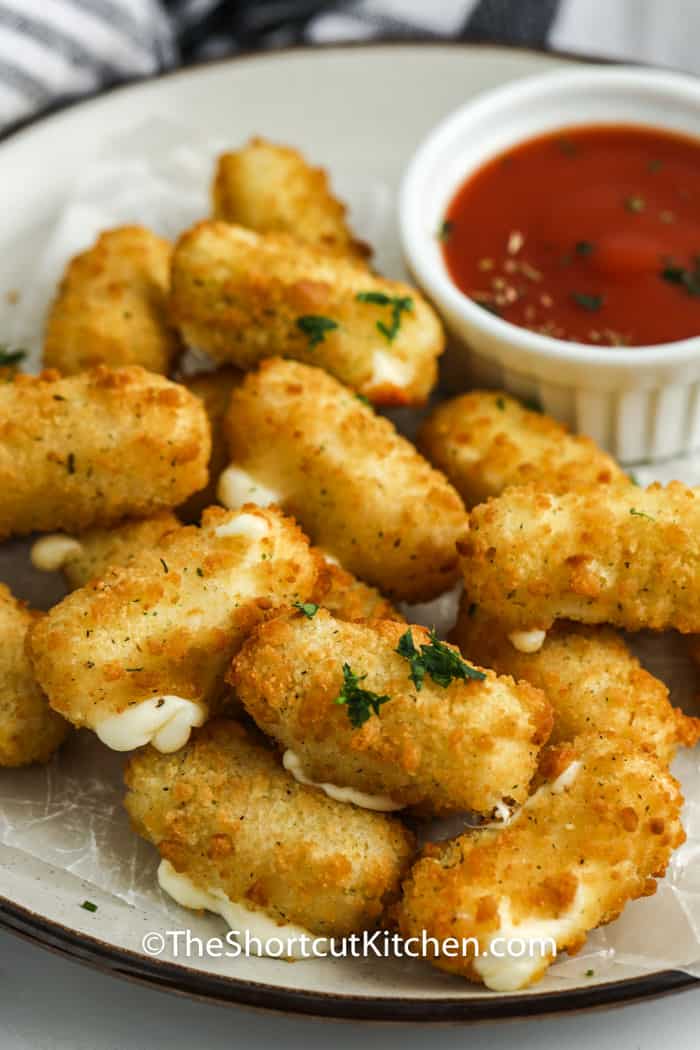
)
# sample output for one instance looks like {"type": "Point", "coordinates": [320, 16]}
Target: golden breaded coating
{"type": "Point", "coordinates": [98, 550]}
{"type": "Point", "coordinates": [166, 628]}
{"type": "Point", "coordinates": [214, 389]}
{"type": "Point", "coordinates": [485, 441]}
{"type": "Point", "coordinates": [243, 296]}
{"type": "Point", "coordinates": [612, 554]}
{"type": "Point", "coordinates": [595, 835]}
{"type": "Point", "coordinates": [29, 730]}
{"type": "Point", "coordinates": [591, 679]}
{"type": "Point", "coordinates": [111, 306]}
{"type": "Point", "coordinates": [348, 598]}
{"type": "Point", "coordinates": [96, 447]}
{"type": "Point", "coordinates": [444, 747]}
{"type": "Point", "coordinates": [359, 489]}
{"type": "Point", "coordinates": [227, 816]}
{"type": "Point", "coordinates": [273, 189]}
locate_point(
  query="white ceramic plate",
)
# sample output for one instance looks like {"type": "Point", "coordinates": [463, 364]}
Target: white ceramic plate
{"type": "Point", "coordinates": [360, 111]}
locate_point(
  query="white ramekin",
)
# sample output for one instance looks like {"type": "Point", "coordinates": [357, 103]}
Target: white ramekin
{"type": "Point", "coordinates": [640, 403]}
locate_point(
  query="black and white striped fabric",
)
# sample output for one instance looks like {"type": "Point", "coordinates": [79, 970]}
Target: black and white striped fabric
{"type": "Point", "coordinates": [52, 50]}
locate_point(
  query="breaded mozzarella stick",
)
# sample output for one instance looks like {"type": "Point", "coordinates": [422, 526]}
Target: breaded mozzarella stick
{"type": "Point", "coordinates": [90, 554]}
{"type": "Point", "coordinates": [485, 441]}
{"type": "Point", "coordinates": [272, 189]}
{"type": "Point", "coordinates": [596, 834]}
{"type": "Point", "coordinates": [371, 725]}
{"type": "Point", "coordinates": [29, 730]}
{"type": "Point", "coordinates": [243, 296]}
{"type": "Point", "coordinates": [363, 494]}
{"type": "Point", "coordinates": [96, 447]}
{"type": "Point", "coordinates": [347, 598]}
{"type": "Point", "coordinates": [615, 554]}
{"type": "Point", "coordinates": [238, 836]}
{"type": "Point", "coordinates": [140, 655]}
{"type": "Point", "coordinates": [591, 679]}
{"type": "Point", "coordinates": [111, 306]}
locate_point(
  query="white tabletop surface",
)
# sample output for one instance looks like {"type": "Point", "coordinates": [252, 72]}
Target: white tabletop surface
{"type": "Point", "coordinates": [48, 1003]}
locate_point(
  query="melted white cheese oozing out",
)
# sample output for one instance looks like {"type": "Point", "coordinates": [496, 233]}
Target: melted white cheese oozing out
{"type": "Point", "coordinates": [238, 916]}
{"type": "Point", "coordinates": [389, 369]}
{"type": "Point", "coordinates": [329, 559]}
{"type": "Point", "coordinates": [237, 486]}
{"type": "Point", "coordinates": [565, 779]}
{"type": "Point", "coordinates": [164, 721]}
{"type": "Point", "coordinates": [249, 525]}
{"type": "Point", "coordinates": [381, 803]}
{"type": "Point", "coordinates": [527, 641]}
{"type": "Point", "coordinates": [50, 553]}
{"type": "Point", "coordinates": [505, 972]}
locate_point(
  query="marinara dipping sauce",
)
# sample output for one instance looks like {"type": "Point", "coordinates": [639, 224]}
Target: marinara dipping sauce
{"type": "Point", "coordinates": [590, 234]}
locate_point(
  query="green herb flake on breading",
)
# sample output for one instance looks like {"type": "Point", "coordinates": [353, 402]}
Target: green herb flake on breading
{"type": "Point", "coordinates": [436, 659]}
{"type": "Point", "coordinates": [309, 609]}
{"type": "Point", "coordinates": [361, 703]}
{"type": "Point", "coordinates": [315, 327]}
{"type": "Point", "coordinates": [398, 303]}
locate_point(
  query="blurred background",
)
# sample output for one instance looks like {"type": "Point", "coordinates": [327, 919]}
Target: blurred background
{"type": "Point", "coordinates": [52, 51]}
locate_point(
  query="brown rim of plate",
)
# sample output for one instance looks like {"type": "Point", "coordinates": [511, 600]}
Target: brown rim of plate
{"type": "Point", "coordinates": [231, 991]}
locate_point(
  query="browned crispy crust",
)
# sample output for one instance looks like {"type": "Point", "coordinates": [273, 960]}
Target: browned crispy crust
{"type": "Point", "coordinates": [111, 306]}
{"type": "Point", "coordinates": [225, 814]}
{"type": "Point", "coordinates": [29, 730]}
{"type": "Point", "coordinates": [94, 448]}
{"type": "Point", "coordinates": [612, 831]}
{"type": "Point", "coordinates": [466, 746]}
{"type": "Point", "coordinates": [612, 554]}
{"type": "Point", "coordinates": [273, 189]}
{"type": "Point", "coordinates": [485, 441]}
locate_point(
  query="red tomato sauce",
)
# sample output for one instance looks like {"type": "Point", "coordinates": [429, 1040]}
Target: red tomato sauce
{"type": "Point", "coordinates": [589, 234]}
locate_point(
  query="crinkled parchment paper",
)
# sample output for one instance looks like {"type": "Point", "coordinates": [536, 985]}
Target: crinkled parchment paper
{"type": "Point", "coordinates": [69, 813]}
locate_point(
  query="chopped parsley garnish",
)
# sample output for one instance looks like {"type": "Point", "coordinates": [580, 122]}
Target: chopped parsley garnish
{"type": "Point", "coordinates": [589, 973]}
{"type": "Point", "coordinates": [686, 278]}
{"type": "Point", "coordinates": [364, 399]}
{"type": "Point", "coordinates": [315, 327]}
{"type": "Point", "coordinates": [635, 204]}
{"type": "Point", "coordinates": [583, 248]}
{"type": "Point", "coordinates": [134, 670]}
{"type": "Point", "coordinates": [500, 404]}
{"type": "Point", "coordinates": [361, 703]}
{"type": "Point", "coordinates": [640, 514]}
{"type": "Point", "coordinates": [11, 357]}
{"type": "Point", "coordinates": [592, 303]}
{"type": "Point", "coordinates": [532, 405]}
{"type": "Point", "coordinates": [164, 564]}
{"type": "Point", "coordinates": [398, 303]}
{"type": "Point", "coordinates": [200, 570]}
{"type": "Point", "coordinates": [88, 906]}
{"type": "Point", "coordinates": [70, 463]}
{"type": "Point", "coordinates": [446, 230]}
{"type": "Point", "coordinates": [309, 609]}
{"type": "Point", "coordinates": [655, 165]}
{"type": "Point", "coordinates": [436, 659]}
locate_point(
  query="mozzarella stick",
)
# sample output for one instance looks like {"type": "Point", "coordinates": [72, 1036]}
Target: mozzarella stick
{"type": "Point", "coordinates": [29, 730]}
{"type": "Point", "coordinates": [485, 441]}
{"type": "Point", "coordinates": [243, 296]}
{"type": "Point", "coordinates": [363, 719]}
{"type": "Point", "coordinates": [272, 189]}
{"type": "Point", "coordinates": [362, 493]}
{"type": "Point", "coordinates": [590, 678]}
{"type": "Point", "coordinates": [111, 306]}
{"type": "Point", "coordinates": [596, 833]}
{"type": "Point", "coordinates": [97, 447]}
{"type": "Point", "coordinates": [238, 836]}
{"type": "Point", "coordinates": [140, 655]}
{"type": "Point", "coordinates": [614, 554]}
{"type": "Point", "coordinates": [90, 554]}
